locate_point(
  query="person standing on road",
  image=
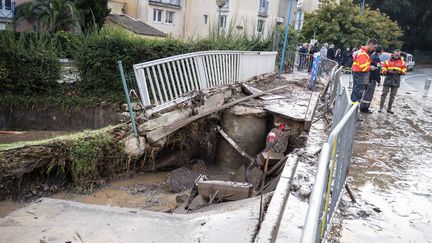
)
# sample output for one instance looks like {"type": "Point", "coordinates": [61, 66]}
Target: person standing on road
{"type": "Point", "coordinates": [313, 49]}
{"type": "Point", "coordinates": [324, 50]}
{"type": "Point", "coordinates": [303, 54]}
{"type": "Point", "coordinates": [338, 56]}
{"type": "Point", "coordinates": [392, 69]}
{"type": "Point", "coordinates": [374, 78]}
{"type": "Point", "coordinates": [360, 69]}
{"type": "Point", "coordinates": [331, 52]}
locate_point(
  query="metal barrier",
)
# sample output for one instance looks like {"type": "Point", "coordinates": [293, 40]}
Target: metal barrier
{"type": "Point", "coordinates": [165, 80]}
{"type": "Point", "coordinates": [326, 68]}
{"type": "Point", "coordinates": [295, 61]}
{"type": "Point", "coordinates": [334, 162]}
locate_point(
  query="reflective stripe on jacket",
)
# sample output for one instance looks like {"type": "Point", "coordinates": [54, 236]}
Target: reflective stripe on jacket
{"type": "Point", "coordinates": [362, 61]}
{"type": "Point", "coordinates": [398, 68]}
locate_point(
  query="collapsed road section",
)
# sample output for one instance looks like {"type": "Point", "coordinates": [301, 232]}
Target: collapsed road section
{"type": "Point", "coordinates": [226, 150]}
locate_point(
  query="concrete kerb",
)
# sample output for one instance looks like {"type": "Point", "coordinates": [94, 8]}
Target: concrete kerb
{"type": "Point", "coordinates": [272, 219]}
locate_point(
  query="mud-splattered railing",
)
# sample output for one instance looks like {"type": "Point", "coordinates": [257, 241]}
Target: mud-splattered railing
{"type": "Point", "coordinates": [335, 159]}
{"type": "Point", "coordinates": [168, 81]}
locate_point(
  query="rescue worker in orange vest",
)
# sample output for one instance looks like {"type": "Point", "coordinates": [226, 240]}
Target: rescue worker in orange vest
{"type": "Point", "coordinates": [392, 69]}
{"type": "Point", "coordinates": [360, 69]}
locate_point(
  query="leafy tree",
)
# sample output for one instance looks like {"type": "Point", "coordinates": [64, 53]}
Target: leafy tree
{"type": "Point", "coordinates": [95, 13]}
{"type": "Point", "coordinates": [414, 16]}
{"type": "Point", "coordinates": [51, 15]}
{"type": "Point", "coordinates": [345, 25]}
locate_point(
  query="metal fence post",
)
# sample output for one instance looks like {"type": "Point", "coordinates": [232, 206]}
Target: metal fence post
{"type": "Point", "coordinates": [427, 87]}
{"type": "Point", "coordinates": [126, 90]}
{"type": "Point", "coordinates": [285, 39]}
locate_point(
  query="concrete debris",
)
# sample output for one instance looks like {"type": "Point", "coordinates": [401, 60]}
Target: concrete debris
{"type": "Point", "coordinates": [135, 107]}
{"type": "Point", "coordinates": [196, 203]}
{"type": "Point", "coordinates": [181, 179]}
{"type": "Point", "coordinates": [132, 148]}
{"type": "Point", "coordinates": [124, 116]}
{"type": "Point", "coordinates": [165, 119]}
{"type": "Point", "coordinates": [227, 190]}
{"type": "Point", "coordinates": [213, 101]}
{"type": "Point", "coordinates": [239, 175]}
{"type": "Point", "coordinates": [305, 191]}
{"type": "Point", "coordinates": [181, 198]}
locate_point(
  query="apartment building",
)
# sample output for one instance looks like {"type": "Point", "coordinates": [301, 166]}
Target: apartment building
{"type": "Point", "coordinates": [7, 13]}
{"type": "Point", "coordinates": [196, 18]}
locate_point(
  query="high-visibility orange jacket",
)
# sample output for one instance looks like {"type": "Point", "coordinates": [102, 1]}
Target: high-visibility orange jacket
{"type": "Point", "coordinates": [395, 65]}
{"type": "Point", "coordinates": [393, 69]}
{"type": "Point", "coordinates": [362, 61]}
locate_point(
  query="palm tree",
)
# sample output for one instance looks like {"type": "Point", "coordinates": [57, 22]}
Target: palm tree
{"type": "Point", "coordinates": [51, 15]}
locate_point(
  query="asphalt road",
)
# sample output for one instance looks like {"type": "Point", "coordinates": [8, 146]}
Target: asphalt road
{"type": "Point", "coordinates": [414, 82]}
{"type": "Point", "coordinates": [411, 84]}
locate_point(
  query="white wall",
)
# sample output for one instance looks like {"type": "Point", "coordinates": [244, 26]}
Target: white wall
{"type": "Point", "coordinates": [145, 14]}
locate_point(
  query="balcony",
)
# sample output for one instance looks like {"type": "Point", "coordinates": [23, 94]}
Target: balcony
{"type": "Point", "coordinates": [166, 3]}
{"type": "Point", "coordinates": [263, 8]}
{"type": "Point", "coordinates": [7, 9]}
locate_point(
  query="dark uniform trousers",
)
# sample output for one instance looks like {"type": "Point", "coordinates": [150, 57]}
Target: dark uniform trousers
{"type": "Point", "coordinates": [393, 91]}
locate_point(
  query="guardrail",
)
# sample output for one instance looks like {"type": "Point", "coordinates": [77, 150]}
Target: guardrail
{"type": "Point", "coordinates": [334, 162]}
{"type": "Point", "coordinates": [296, 61]}
{"type": "Point", "coordinates": [165, 80]}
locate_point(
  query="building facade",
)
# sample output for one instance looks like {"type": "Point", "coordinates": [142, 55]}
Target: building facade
{"type": "Point", "coordinates": [7, 13]}
{"type": "Point", "coordinates": [188, 19]}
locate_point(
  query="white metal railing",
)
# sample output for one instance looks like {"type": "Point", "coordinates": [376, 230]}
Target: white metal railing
{"type": "Point", "coordinates": [165, 80]}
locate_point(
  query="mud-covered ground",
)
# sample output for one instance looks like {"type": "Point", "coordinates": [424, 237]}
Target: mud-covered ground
{"type": "Point", "coordinates": [391, 174]}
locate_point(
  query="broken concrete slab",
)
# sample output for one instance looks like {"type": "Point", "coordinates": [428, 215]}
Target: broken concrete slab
{"type": "Point", "coordinates": [197, 203]}
{"type": "Point", "coordinates": [181, 179]}
{"type": "Point", "coordinates": [165, 119]}
{"type": "Point", "coordinates": [226, 190]}
{"type": "Point", "coordinates": [214, 100]}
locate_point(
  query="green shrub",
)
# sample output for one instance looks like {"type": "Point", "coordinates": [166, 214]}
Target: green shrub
{"type": "Point", "coordinates": [29, 61]}
{"type": "Point", "coordinates": [28, 64]}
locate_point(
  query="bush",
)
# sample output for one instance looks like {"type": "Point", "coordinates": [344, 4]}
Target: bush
{"type": "Point", "coordinates": [29, 61]}
{"type": "Point", "coordinates": [28, 64]}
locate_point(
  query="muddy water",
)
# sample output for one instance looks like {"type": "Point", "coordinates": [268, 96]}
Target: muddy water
{"type": "Point", "coordinates": [29, 136]}
{"type": "Point", "coordinates": [146, 191]}
{"type": "Point", "coordinates": [391, 175]}
{"type": "Point", "coordinates": [8, 206]}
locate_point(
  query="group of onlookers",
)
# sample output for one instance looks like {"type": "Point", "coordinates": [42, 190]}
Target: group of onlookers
{"type": "Point", "coordinates": [366, 67]}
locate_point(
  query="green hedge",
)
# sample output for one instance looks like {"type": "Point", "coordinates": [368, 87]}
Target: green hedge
{"type": "Point", "coordinates": [28, 64]}
{"type": "Point", "coordinates": [29, 61]}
